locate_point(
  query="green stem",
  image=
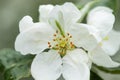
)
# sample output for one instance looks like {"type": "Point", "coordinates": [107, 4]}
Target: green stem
{"type": "Point", "coordinates": [86, 9]}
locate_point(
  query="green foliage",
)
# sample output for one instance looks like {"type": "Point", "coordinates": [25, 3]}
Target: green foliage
{"type": "Point", "coordinates": [109, 3]}
{"type": "Point", "coordinates": [13, 65]}
{"type": "Point", "coordinates": [94, 76]}
{"type": "Point", "coordinates": [115, 70]}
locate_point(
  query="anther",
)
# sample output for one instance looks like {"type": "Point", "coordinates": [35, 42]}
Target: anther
{"type": "Point", "coordinates": [68, 34]}
{"type": "Point", "coordinates": [54, 35]}
{"type": "Point", "coordinates": [48, 42]}
{"type": "Point", "coordinates": [72, 46]}
{"type": "Point", "coordinates": [56, 44]}
{"type": "Point", "coordinates": [63, 36]}
{"type": "Point", "coordinates": [67, 39]}
{"type": "Point", "coordinates": [71, 43]}
{"type": "Point", "coordinates": [60, 39]}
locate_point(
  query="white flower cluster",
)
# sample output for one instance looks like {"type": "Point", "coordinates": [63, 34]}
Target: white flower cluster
{"type": "Point", "coordinates": [73, 46]}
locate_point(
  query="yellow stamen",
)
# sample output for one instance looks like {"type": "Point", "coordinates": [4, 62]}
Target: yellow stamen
{"type": "Point", "coordinates": [61, 43]}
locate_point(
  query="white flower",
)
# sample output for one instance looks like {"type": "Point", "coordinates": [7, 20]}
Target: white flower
{"type": "Point", "coordinates": [58, 30]}
{"type": "Point", "coordinates": [72, 45]}
{"type": "Point", "coordinates": [102, 19]}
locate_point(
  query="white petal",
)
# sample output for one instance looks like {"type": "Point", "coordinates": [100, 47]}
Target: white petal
{"type": "Point", "coordinates": [73, 11]}
{"type": "Point", "coordinates": [44, 11]}
{"type": "Point", "coordinates": [46, 66]}
{"type": "Point", "coordinates": [111, 42]}
{"type": "Point", "coordinates": [78, 55]}
{"type": "Point", "coordinates": [100, 58]}
{"type": "Point", "coordinates": [35, 39]}
{"type": "Point", "coordinates": [25, 23]}
{"type": "Point", "coordinates": [65, 14]}
{"type": "Point", "coordinates": [75, 67]}
{"type": "Point", "coordinates": [82, 36]}
{"type": "Point", "coordinates": [102, 19]}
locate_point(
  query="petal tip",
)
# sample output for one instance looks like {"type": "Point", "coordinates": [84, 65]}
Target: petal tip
{"type": "Point", "coordinates": [25, 22]}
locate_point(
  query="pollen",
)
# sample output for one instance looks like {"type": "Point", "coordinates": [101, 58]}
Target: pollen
{"type": "Point", "coordinates": [61, 43]}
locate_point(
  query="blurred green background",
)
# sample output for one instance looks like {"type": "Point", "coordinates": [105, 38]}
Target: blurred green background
{"type": "Point", "coordinates": [11, 12]}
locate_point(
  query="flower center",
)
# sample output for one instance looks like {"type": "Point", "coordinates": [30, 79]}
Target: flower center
{"type": "Point", "coordinates": [61, 43]}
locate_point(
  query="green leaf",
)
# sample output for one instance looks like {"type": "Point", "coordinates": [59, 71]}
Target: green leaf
{"type": "Point", "coordinates": [115, 70]}
{"type": "Point", "coordinates": [94, 76]}
{"type": "Point", "coordinates": [14, 65]}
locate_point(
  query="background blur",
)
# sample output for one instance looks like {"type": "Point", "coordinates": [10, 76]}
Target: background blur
{"type": "Point", "coordinates": [11, 12]}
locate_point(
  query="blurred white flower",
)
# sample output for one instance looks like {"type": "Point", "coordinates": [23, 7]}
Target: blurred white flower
{"type": "Point", "coordinates": [68, 41]}
{"type": "Point", "coordinates": [101, 19]}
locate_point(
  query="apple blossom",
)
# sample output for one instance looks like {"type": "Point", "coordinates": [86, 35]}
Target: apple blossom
{"type": "Point", "coordinates": [102, 20]}
{"type": "Point", "coordinates": [73, 46]}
